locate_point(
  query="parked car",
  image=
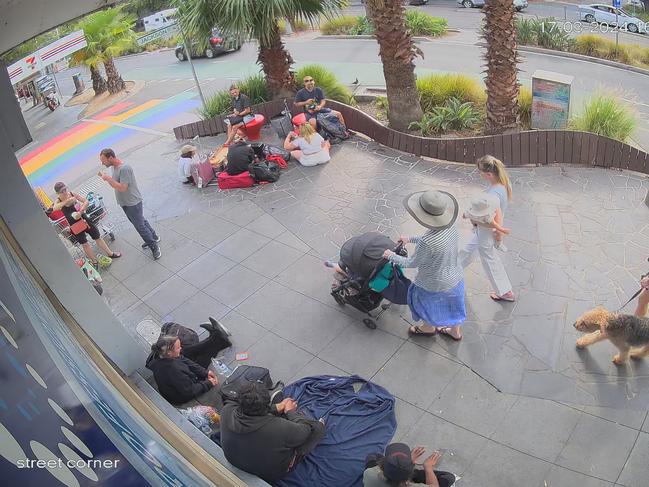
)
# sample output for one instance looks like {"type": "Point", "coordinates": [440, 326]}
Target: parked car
{"type": "Point", "coordinates": [605, 14]}
{"type": "Point", "coordinates": [417, 2]}
{"type": "Point", "coordinates": [518, 4]}
{"type": "Point", "coordinates": [218, 44]}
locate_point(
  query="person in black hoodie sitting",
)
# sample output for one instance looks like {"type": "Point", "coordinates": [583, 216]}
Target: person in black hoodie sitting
{"type": "Point", "coordinates": [266, 439]}
{"type": "Point", "coordinates": [179, 379]}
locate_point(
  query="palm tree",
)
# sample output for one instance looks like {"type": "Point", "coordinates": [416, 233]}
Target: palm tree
{"type": "Point", "coordinates": [397, 53]}
{"type": "Point", "coordinates": [108, 33]}
{"type": "Point", "coordinates": [502, 60]}
{"type": "Point", "coordinates": [256, 19]}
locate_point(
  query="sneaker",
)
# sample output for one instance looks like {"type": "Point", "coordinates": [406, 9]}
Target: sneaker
{"type": "Point", "coordinates": [156, 240]}
{"type": "Point", "coordinates": [157, 253]}
{"type": "Point", "coordinates": [501, 246]}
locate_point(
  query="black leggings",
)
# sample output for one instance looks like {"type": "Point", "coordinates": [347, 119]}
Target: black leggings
{"type": "Point", "coordinates": [445, 479]}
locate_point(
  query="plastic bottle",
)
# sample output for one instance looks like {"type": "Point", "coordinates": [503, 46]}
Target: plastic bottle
{"type": "Point", "coordinates": [221, 370]}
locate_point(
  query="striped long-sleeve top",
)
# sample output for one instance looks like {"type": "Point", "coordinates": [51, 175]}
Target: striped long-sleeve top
{"type": "Point", "coordinates": [435, 258]}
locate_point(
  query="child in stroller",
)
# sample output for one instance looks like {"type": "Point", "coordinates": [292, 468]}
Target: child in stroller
{"type": "Point", "coordinates": [363, 278]}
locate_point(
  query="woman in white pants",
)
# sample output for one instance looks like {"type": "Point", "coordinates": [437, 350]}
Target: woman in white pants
{"type": "Point", "coordinates": [484, 238]}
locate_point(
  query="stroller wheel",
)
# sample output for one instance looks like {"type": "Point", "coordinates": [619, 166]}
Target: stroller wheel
{"type": "Point", "coordinates": [385, 306]}
{"type": "Point", "coordinates": [339, 299]}
{"type": "Point", "coordinates": [111, 236]}
{"type": "Point", "coordinates": [371, 324]}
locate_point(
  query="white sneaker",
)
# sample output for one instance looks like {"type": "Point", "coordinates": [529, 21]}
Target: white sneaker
{"type": "Point", "coordinates": [501, 246]}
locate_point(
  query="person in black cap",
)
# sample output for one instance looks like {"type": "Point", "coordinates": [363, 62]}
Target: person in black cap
{"type": "Point", "coordinates": [397, 468]}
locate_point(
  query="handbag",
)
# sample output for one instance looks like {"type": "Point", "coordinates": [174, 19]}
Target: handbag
{"type": "Point", "coordinates": [80, 226]}
{"type": "Point", "coordinates": [397, 291]}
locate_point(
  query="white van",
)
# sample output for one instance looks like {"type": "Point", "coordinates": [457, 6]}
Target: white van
{"type": "Point", "coordinates": [159, 19]}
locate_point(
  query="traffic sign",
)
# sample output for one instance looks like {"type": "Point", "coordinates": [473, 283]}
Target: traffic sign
{"type": "Point", "coordinates": [617, 3]}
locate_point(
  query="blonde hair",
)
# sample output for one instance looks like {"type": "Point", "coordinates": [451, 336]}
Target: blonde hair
{"type": "Point", "coordinates": [496, 167]}
{"type": "Point", "coordinates": [307, 131]}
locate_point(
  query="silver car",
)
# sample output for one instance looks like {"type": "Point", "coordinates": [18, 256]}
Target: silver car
{"type": "Point", "coordinates": [605, 14]}
{"type": "Point", "coordinates": [518, 4]}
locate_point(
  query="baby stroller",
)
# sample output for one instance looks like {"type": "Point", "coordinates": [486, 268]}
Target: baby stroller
{"type": "Point", "coordinates": [361, 258]}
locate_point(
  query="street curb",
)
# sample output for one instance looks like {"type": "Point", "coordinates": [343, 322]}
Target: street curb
{"type": "Point", "coordinates": [163, 49]}
{"type": "Point", "coordinates": [580, 57]}
{"type": "Point", "coordinates": [365, 36]}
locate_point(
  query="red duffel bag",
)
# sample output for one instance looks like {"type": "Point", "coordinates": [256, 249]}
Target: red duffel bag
{"type": "Point", "coordinates": [242, 180]}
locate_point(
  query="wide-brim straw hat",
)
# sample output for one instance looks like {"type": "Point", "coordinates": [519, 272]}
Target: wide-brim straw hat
{"type": "Point", "coordinates": [483, 204]}
{"type": "Point", "coordinates": [186, 149]}
{"type": "Point", "coordinates": [432, 209]}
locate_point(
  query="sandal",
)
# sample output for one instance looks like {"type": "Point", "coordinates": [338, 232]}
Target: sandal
{"type": "Point", "coordinates": [116, 255]}
{"type": "Point", "coordinates": [509, 299]}
{"type": "Point", "coordinates": [445, 331]}
{"type": "Point", "coordinates": [415, 330]}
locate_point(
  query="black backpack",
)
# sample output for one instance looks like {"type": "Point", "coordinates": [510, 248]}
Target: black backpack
{"type": "Point", "coordinates": [331, 128]}
{"type": "Point", "coordinates": [188, 337]}
{"type": "Point", "coordinates": [264, 171]}
{"type": "Point", "coordinates": [244, 374]}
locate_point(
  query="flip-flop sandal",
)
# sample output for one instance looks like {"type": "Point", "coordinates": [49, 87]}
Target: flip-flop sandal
{"type": "Point", "coordinates": [444, 331]}
{"type": "Point", "coordinates": [116, 255]}
{"type": "Point", "coordinates": [495, 297]}
{"type": "Point", "coordinates": [415, 330]}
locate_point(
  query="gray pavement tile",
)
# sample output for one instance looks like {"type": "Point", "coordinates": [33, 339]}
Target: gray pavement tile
{"type": "Point", "coordinates": [241, 245]}
{"type": "Point", "coordinates": [317, 366]}
{"type": "Point", "coordinates": [461, 445]}
{"type": "Point", "coordinates": [138, 312]}
{"type": "Point", "coordinates": [309, 276]}
{"type": "Point", "coordinates": [206, 229]}
{"type": "Point", "coordinates": [471, 402]}
{"type": "Point", "coordinates": [537, 427]}
{"type": "Point", "coordinates": [359, 350]}
{"type": "Point", "coordinates": [632, 418]}
{"type": "Point", "coordinates": [290, 239]}
{"type": "Point", "coordinates": [240, 212]}
{"type": "Point", "coordinates": [245, 332]}
{"type": "Point", "coordinates": [645, 425]}
{"type": "Point", "coordinates": [169, 295]}
{"type": "Point", "coordinates": [499, 466]}
{"type": "Point", "coordinates": [206, 269]}
{"type": "Point", "coordinates": [181, 254]}
{"type": "Point", "coordinates": [130, 261]}
{"type": "Point", "coordinates": [148, 277]}
{"type": "Point", "coordinates": [542, 336]}
{"type": "Point", "coordinates": [295, 317]}
{"type": "Point", "coordinates": [416, 375]}
{"type": "Point", "coordinates": [107, 279]}
{"type": "Point", "coordinates": [235, 285]}
{"type": "Point", "coordinates": [267, 226]}
{"type": "Point", "coordinates": [408, 416]}
{"type": "Point", "coordinates": [530, 304]}
{"type": "Point", "coordinates": [598, 447]}
{"type": "Point", "coordinates": [562, 477]}
{"type": "Point", "coordinates": [636, 469]}
{"type": "Point", "coordinates": [279, 355]}
{"type": "Point", "coordinates": [119, 298]}
{"type": "Point", "coordinates": [272, 259]}
{"type": "Point", "coordinates": [197, 309]}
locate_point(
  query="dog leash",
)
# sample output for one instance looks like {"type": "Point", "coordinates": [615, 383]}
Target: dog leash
{"type": "Point", "coordinates": [630, 299]}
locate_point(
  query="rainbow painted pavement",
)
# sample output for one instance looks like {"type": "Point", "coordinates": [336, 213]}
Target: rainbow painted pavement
{"type": "Point", "coordinates": [84, 140]}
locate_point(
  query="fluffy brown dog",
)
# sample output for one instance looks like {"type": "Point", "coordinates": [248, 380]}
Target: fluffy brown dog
{"type": "Point", "coordinates": [623, 331]}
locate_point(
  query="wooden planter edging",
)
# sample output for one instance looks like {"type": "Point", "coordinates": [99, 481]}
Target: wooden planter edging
{"type": "Point", "coordinates": [538, 147]}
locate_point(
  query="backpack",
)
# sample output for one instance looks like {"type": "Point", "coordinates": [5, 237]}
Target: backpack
{"type": "Point", "coordinates": [244, 374]}
{"type": "Point", "coordinates": [279, 160]}
{"type": "Point", "coordinates": [331, 128]}
{"type": "Point", "coordinates": [264, 171]}
{"type": "Point", "coordinates": [188, 337]}
{"type": "Point", "coordinates": [271, 150]}
{"type": "Point", "coordinates": [242, 180]}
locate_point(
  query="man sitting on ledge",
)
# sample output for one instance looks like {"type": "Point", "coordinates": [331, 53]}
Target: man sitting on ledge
{"type": "Point", "coordinates": [266, 439]}
{"type": "Point", "coordinates": [312, 100]}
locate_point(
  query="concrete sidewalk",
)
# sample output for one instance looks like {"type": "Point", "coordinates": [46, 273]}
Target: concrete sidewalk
{"type": "Point", "coordinates": [253, 258]}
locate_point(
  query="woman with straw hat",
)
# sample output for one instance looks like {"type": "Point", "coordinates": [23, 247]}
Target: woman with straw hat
{"type": "Point", "coordinates": [187, 153]}
{"type": "Point", "coordinates": [436, 296]}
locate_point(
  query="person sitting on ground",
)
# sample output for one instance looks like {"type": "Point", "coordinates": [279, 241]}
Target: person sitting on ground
{"type": "Point", "coordinates": [267, 440]}
{"type": "Point", "coordinates": [187, 153]}
{"type": "Point", "coordinates": [179, 379]}
{"type": "Point", "coordinates": [240, 155]}
{"type": "Point", "coordinates": [397, 468]}
{"type": "Point", "coordinates": [312, 100]}
{"type": "Point", "coordinates": [309, 148]}
{"type": "Point", "coordinates": [66, 201]}
{"type": "Point", "coordinates": [241, 111]}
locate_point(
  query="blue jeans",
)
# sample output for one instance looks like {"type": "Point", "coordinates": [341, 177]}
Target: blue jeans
{"type": "Point", "coordinates": [136, 217]}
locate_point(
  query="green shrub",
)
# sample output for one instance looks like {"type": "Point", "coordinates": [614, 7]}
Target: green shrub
{"type": "Point", "coordinates": [436, 89]}
{"type": "Point", "coordinates": [525, 106]}
{"type": "Point", "coordinates": [382, 105]}
{"type": "Point", "coordinates": [525, 31]}
{"type": "Point", "coordinates": [606, 115]}
{"type": "Point", "coordinates": [454, 115]}
{"type": "Point", "coordinates": [344, 25]}
{"type": "Point", "coordinates": [550, 35]}
{"type": "Point", "coordinates": [643, 55]}
{"type": "Point", "coordinates": [364, 26]}
{"type": "Point", "coordinates": [588, 44]}
{"type": "Point", "coordinates": [325, 79]}
{"type": "Point", "coordinates": [422, 24]}
{"type": "Point", "coordinates": [254, 87]}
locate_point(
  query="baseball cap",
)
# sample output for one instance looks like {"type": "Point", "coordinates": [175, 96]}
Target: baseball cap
{"type": "Point", "coordinates": [397, 464]}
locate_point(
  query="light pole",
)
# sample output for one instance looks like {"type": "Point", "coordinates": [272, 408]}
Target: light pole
{"type": "Point", "coordinates": [191, 63]}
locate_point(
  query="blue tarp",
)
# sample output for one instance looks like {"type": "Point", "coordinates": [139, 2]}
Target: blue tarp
{"type": "Point", "coordinates": [357, 424]}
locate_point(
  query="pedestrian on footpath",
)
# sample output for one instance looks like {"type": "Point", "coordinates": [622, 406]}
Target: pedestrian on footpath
{"type": "Point", "coordinates": [485, 239]}
{"type": "Point", "coordinates": [436, 296]}
{"type": "Point", "coordinates": [129, 198]}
